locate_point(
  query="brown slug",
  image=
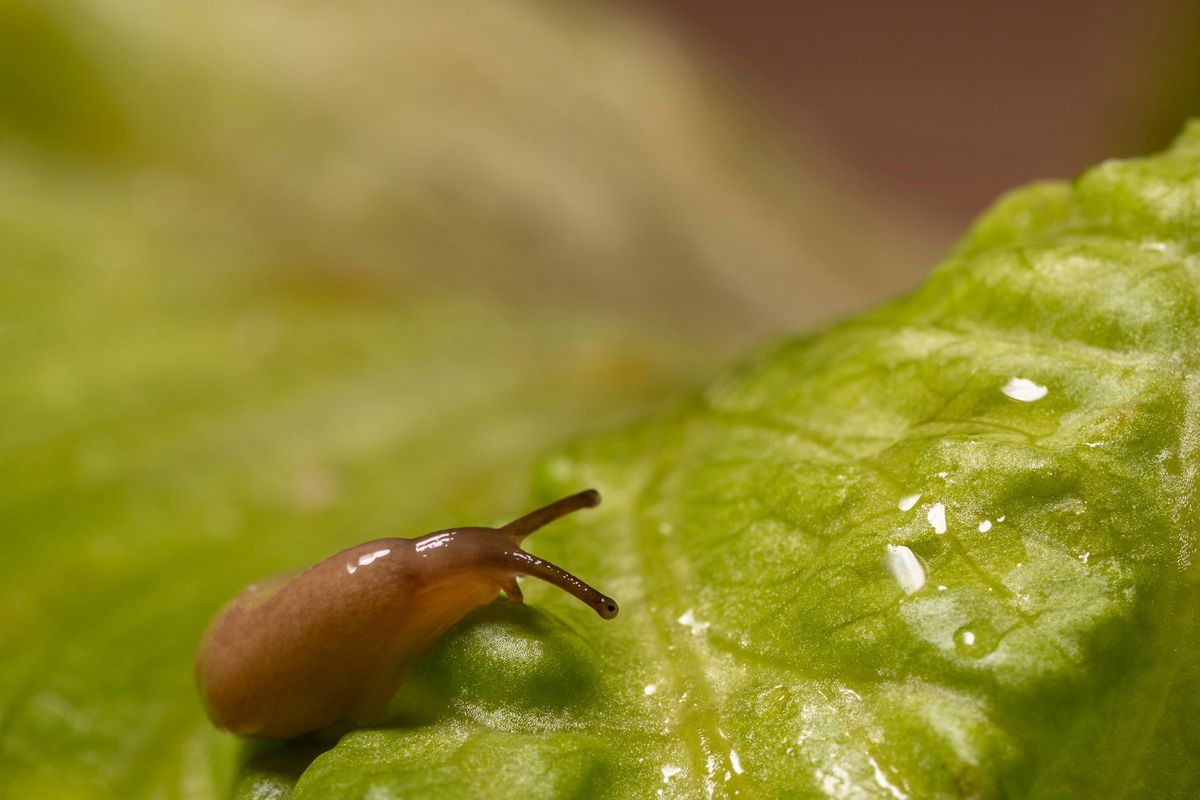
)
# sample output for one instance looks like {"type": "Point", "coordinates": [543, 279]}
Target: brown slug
{"type": "Point", "coordinates": [333, 643]}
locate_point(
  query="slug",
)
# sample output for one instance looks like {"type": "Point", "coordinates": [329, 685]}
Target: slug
{"type": "Point", "coordinates": [333, 643]}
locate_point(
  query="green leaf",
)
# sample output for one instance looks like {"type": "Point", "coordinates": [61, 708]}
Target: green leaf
{"type": "Point", "coordinates": [777, 639]}
{"type": "Point", "coordinates": [250, 443]}
{"type": "Point", "coordinates": [1026, 427]}
{"type": "Point", "coordinates": [212, 374]}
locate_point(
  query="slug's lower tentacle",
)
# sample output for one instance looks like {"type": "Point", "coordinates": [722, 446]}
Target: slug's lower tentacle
{"type": "Point", "coordinates": [513, 591]}
{"type": "Point", "coordinates": [526, 564]}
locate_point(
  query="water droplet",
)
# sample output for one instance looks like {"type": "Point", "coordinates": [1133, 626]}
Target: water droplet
{"type": "Point", "coordinates": [1024, 390]}
{"type": "Point", "coordinates": [905, 568]}
{"type": "Point", "coordinates": [937, 518]}
{"type": "Point", "coordinates": [985, 526]}
{"type": "Point", "coordinates": [976, 639]}
{"type": "Point", "coordinates": [908, 501]}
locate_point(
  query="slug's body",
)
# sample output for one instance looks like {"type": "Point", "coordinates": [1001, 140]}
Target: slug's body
{"type": "Point", "coordinates": [334, 642]}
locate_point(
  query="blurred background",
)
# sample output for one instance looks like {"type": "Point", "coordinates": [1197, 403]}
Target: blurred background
{"type": "Point", "coordinates": [279, 277]}
{"type": "Point", "coordinates": [725, 172]}
{"type": "Point", "coordinates": [940, 106]}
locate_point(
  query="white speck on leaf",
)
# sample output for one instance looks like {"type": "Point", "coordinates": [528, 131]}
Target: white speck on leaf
{"type": "Point", "coordinates": [884, 783]}
{"type": "Point", "coordinates": [689, 619]}
{"type": "Point", "coordinates": [1024, 390]}
{"type": "Point", "coordinates": [937, 518]}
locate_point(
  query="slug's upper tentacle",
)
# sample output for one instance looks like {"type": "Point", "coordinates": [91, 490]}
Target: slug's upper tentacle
{"type": "Point", "coordinates": [526, 564]}
{"type": "Point", "coordinates": [520, 528]}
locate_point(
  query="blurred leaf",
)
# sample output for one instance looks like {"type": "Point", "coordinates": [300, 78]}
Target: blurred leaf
{"type": "Point", "coordinates": [54, 92]}
{"type": "Point", "coordinates": [530, 149]}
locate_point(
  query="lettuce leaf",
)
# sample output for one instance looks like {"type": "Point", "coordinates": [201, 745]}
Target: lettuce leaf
{"type": "Point", "coordinates": [947, 549]}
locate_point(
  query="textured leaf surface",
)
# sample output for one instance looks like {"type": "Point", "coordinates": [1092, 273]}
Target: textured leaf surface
{"type": "Point", "coordinates": [226, 239]}
{"type": "Point", "coordinates": [1025, 425]}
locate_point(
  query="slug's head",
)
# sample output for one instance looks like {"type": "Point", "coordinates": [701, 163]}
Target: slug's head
{"type": "Point", "coordinates": [525, 564]}
{"type": "Point", "coordinates": [497, 553]}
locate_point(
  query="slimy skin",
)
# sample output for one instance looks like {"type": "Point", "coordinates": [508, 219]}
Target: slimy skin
{"type": "Point", "coordinates": [333, 643]}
